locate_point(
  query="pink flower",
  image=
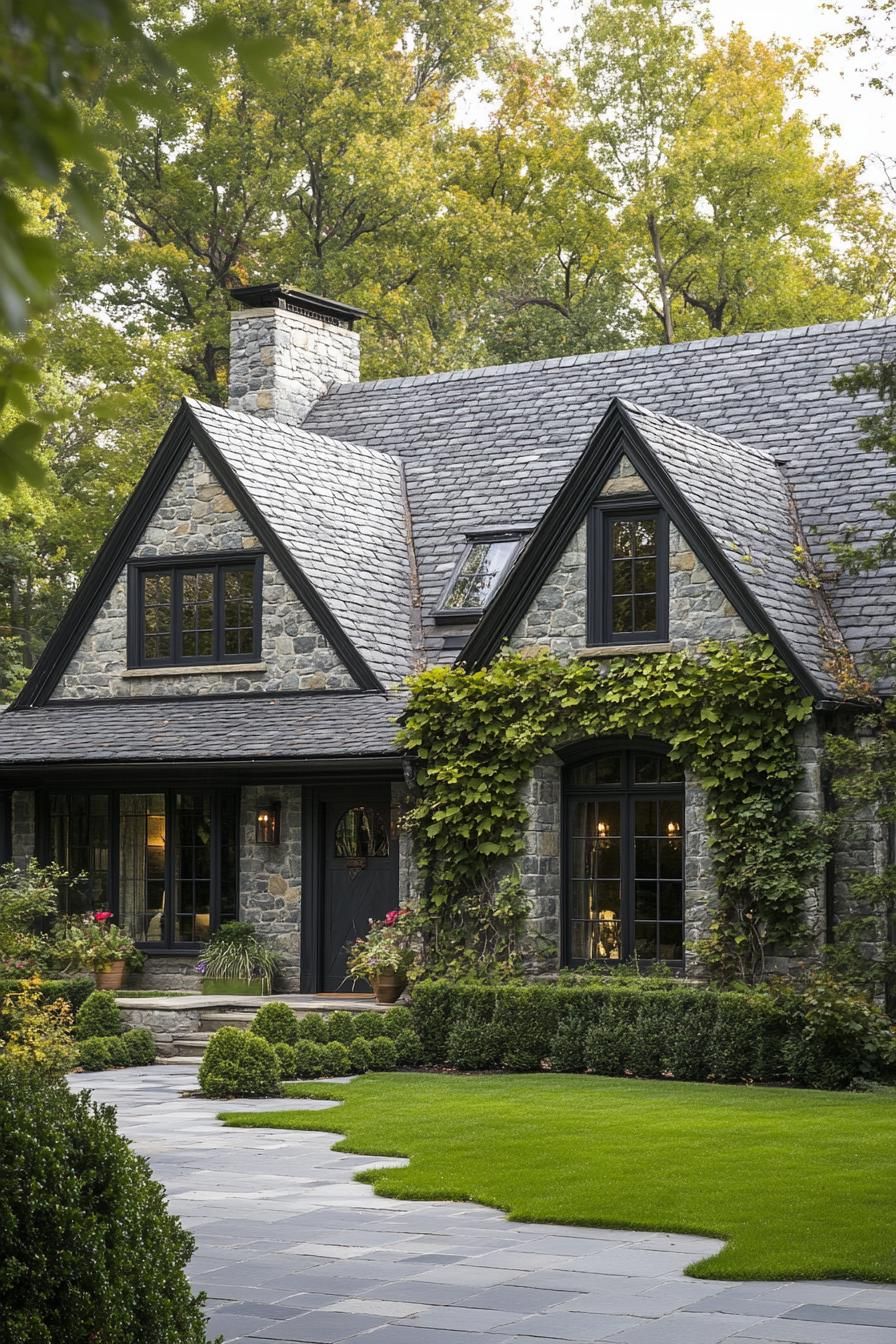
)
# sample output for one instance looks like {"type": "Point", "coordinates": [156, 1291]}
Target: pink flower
{"type": "Point", "coordinates": [392, 918]}
{"type": "Point", "coordinates": [102, 915]}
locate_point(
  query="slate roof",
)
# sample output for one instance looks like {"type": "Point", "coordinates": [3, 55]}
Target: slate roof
{"type": "Point", "coordinates": [202, 728]}
{"type": "Point", "coordinates": [339, 509]}
{"type": "Point", "coordinates": [486, 446]}
{"type": "Point", "coordinates": [740, 494]}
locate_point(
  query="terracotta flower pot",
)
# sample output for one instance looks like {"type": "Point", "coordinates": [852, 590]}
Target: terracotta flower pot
{"type": "Point", "coordinates": [112, 976]}
{"type": "Point", "coordinates": [387, 986]}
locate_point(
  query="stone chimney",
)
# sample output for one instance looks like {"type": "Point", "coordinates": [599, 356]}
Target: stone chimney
{"type": "Point", "coordinates": [287, 348]}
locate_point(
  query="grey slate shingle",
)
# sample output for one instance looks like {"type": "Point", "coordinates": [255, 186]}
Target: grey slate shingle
{"type": "Point", "coordinates": [232, 727]}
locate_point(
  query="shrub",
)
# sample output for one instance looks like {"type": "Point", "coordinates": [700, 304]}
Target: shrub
{"type": "Point", "coordinates": [140, 1045]}
{"type": "Point", "coordinates": [276, 1022]}
{"type": "Point", "coordinates": [87, 1246]}
{"type": "Point", "coordinates": [369, 1025]}
{"type": "Point", "coordinates": [360, 1055]}
{"type": "Point", "coordinates": [95, 1053]}
{"type": "Point", "coordinates": [825, 1035]}
{"type": "Point", "coordinates": [239, 1064]}
{"type": "Point", "coordinates": [408, 1048]}
{"type": "Point", "coordinates": [334, 1060]}
{"type": "Point", "coordinates": [286, 1058]}
{"type": "Point", "coordinates": [308, 1059]}
{"type": "Point", "coordinates": [99, 1015]}
{"type": "Point", "coordinates": [312, 1027]}
{"type": "Point", "coordinates": [234, 952]}
{"type": "Point", "coordinates": [383, 1054]}
{"type": "Point", "coordinates": [38, 1034]}
{"type": "Point", "coordinates": [341, 1027]}
{"type": "Point", "coordinates": [397, 1020]}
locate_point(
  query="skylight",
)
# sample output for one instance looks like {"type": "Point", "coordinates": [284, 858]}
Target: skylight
{"type": "Point", "coordinates": [482, 567]}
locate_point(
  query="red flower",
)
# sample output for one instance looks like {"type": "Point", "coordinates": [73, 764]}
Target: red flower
{"type": "Point", "coordinates": [392, 918]}
{"type": "Point", "coordinates": [102, 915]}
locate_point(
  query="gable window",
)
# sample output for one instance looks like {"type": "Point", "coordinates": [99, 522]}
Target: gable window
{"type": "Point", "coordinates": [483, 564]}
{"type": "Point", "coordinates": [624, 858]}
{"type": "Point", "coordinates": [195, 611]}
{"type": "Point", "coordinates": [628, 575]}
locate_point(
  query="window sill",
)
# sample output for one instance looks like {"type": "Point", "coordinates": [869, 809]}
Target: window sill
{"type": "Point", "coordinates": [192, 669]}
{"type": "Point", "coordinates": [614, 650]}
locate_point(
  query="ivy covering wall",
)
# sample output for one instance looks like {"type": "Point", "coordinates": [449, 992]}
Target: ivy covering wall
{"type": "Point", "coordinates": [728, 713]}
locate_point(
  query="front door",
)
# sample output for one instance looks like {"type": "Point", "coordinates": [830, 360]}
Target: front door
{"type": "Point", "coordinates": [360, 875]}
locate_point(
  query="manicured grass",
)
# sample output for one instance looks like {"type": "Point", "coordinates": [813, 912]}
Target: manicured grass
{"type": "Point", "coordinates": [801, 1184]}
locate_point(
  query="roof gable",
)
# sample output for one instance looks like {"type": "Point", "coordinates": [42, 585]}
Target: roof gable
{"type": "Point", "coordinates": [730, 504]}
{"type": "Point", "coordinates": [184, 433]}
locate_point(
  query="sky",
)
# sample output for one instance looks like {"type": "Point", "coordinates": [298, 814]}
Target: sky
{"type": "Point", "coordinates": [868, 126]}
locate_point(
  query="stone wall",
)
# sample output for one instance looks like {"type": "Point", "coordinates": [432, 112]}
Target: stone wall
{"type": "Point", "coordinates": [164, 1023]}
{"type": "Point", "coordinates": [271, 877]}
{"type": "Point", "coordinates": [282, 362]}
{"type": "Point", "coordinates": [22, 837]}
{"type": "Point", "coordinates": [167, 972]}
{"type": "Point", "coordinates": [197, 517]}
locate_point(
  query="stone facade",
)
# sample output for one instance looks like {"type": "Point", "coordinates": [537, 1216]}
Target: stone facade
{"type": "Point", "coordinates": [271, 876]}
{"type": "Point", "coordinates": [282, 362]}
{"type": "Point", "coordinates": [198, 517]}
{"type": "Point", "coordinates": [166, 1024]}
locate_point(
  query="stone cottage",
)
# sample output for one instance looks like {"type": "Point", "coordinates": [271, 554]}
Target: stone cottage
{"type": "Point", "coordinates": [209, 734]}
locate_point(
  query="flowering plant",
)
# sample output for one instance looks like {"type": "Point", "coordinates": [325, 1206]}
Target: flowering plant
{"type": "Point", "coordinates": [93, 942]}
{"type": "Point", "coordinates": [386, 947]}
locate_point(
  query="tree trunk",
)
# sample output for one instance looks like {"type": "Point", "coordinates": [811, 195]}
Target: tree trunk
{"type": "Point", "coordinates": [662, 279]}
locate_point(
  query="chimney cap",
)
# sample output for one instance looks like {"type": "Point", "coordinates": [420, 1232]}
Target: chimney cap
{"type": "Point", "coordinates": [298, 301]}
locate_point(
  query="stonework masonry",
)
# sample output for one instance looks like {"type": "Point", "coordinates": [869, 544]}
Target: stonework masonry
{"type": "Point", "coordinates": [282, 362]}
{"type": "Point", "coordinates": [197, 517]}
{"type": "Point", "coordinates": [271, 876]}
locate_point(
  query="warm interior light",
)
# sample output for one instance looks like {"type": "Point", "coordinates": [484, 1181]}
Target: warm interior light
{"type": "Point", "coordinates": [602, 829]}
{"type": "Point", "coordinates": [673, 829]}
{"type": "Point", "coordinates": [267, 824]}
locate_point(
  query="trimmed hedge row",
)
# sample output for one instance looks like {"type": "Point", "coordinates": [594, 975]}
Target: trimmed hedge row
{"type": "Point", "coordinates": [656, 1029]}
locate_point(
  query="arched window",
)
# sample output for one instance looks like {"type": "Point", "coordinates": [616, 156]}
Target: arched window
{"type": "Point", "coordinates": [624, 857]}
{"type": "Point", "coordinates": [361, 833]}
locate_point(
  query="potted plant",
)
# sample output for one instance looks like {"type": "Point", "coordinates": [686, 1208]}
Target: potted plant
{"type": "Point", "coordinates": [94, 942]}
{"type": "Point", "coordinates": [237, 962]}
{"type": "Point", "coordinates": [384, 956]}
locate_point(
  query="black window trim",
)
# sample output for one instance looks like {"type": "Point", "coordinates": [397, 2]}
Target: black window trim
{"type": "Point", "coordinates": [217, 562]}
{"type": "Point", "coordinates": [167, 947]}
{"type": "Point", "coordinates": [600, 519]}
{"type": "Point", "coordinates": [627, 792]}
{"type": "Point", "coordinates": [478, 536]}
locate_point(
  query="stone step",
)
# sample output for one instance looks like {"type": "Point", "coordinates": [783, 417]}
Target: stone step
{"type": "Point", "coordinates": [180, 1060]}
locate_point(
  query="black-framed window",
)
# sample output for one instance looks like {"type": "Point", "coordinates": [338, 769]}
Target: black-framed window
{"type": "Point", "coordinates": [198, 610]}
{"type": "Point", "coordinates": [484, 562]}
{"type": "Point", "coordinates": [164, 861]}
{"type": "Point", "coordinates": [624, 857]}
{"type": "Point", "coordinates": [628, 574]}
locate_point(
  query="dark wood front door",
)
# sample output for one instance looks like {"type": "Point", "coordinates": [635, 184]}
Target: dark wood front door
{"type": "Point", "coordinates": [359, 865]}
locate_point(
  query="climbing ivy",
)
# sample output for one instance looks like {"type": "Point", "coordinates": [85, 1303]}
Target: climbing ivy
{"type": "Point", "coordinates": [728, 713]}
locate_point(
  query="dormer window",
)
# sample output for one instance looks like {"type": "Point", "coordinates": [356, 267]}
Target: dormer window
{"type": "Point", "coordinates": [483, 564]}
{"type": "Point", "coordinates": [194, 611]}
{"type": "Point", "coordinates": [628, 575]}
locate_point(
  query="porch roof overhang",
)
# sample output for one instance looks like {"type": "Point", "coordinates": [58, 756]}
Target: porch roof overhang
{"type": "Point", "coordinates": [248, 736]}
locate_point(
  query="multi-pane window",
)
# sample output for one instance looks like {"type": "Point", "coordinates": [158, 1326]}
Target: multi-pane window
{"type": "Point", "coordinates": [625, 858]}
{"type": "Point", "coordinates": [628, 576]}
{"type": "Point", "coordinates": [193, 612]}
{"type": "Point", "coordinates": [481, 569]}
{"type": "Point", "coordinates": [165, 862]}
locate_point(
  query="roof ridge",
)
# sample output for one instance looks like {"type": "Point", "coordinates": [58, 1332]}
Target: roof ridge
{"type": "Point", "coordinates": [609, 356]}
{"type": "Point", "coordinates": [260, 421]}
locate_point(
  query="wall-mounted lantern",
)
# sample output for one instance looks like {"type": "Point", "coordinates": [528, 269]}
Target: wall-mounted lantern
{"type": "Point", "coordinates": [267, 823]}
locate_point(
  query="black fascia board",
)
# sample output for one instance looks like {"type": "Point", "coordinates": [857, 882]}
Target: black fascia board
{"type": "Point", "coordinates": [120, 774]}
{"type": "Point", "coordinates": [283, 558]}
{"type": "Point", "coordinates": [115, 552]}
{"type": "Point", "coordinates": [615, 435]}
{"type": "Point", "coordinates": [110, 561]}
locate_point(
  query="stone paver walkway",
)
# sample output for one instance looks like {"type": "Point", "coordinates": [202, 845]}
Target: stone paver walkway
{"type": "Point", "coordinates": [290, 1248]}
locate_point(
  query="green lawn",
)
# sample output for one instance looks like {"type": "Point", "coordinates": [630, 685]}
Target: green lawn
{"type": "Point", "coordinates": [801, 1184]}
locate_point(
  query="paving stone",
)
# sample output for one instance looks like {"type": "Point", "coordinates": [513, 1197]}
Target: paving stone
{"type": "Point", "coordinates": [818, 1332]}
{"type": "Point", "coordinates": [317, 1327]}
{"type": "Point", "coordinates": [417, 1334]}
{"type": "Point", "coordinates": [682, 1329]}
{"type": "Point", "coordinates": [565, 1325]}
{"type": "Point", "coordinates": [509, 1297]}
{"type": "Point", "coordinates": [843, 1315]}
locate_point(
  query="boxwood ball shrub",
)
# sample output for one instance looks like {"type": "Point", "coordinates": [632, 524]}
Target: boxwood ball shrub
{"type": "Point", "coordinates": [360, 1054]}
{"type": "Point", "coordinates": [383, 1054]}
{"type": "Point", "coordinates": [87, 1247]}
{"type": "Point", "coordinates": [140, 1045]}
{"type": "Point", "coordinates": [824, 1035]}
{"type": "Point", "coordinates": [276, 1022]}
{"type": "Point", "coordinates": [408, 1048]}
{"type": "Point", "coordinates": [312, 1027]}
{"type": "Point", "coordinates": [94, 1054]}
{"type": "Point", "coordinates": [286, 1058]}
{"type": "Point", "coordinates": [335, 1061]}
{"type": "Point", "coordinates": [397, 1020]}
{"type": "Point", "coordinates": [370, 1024]}
{"type": "Point", "coordinates": [239, 1064]}
{"type": "Point", "coordinates": [99, 1015]}
{"type": "Point", "coordinates": [308, 1059]}
{"type": "Point", "coordinates": [341, 1027]}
